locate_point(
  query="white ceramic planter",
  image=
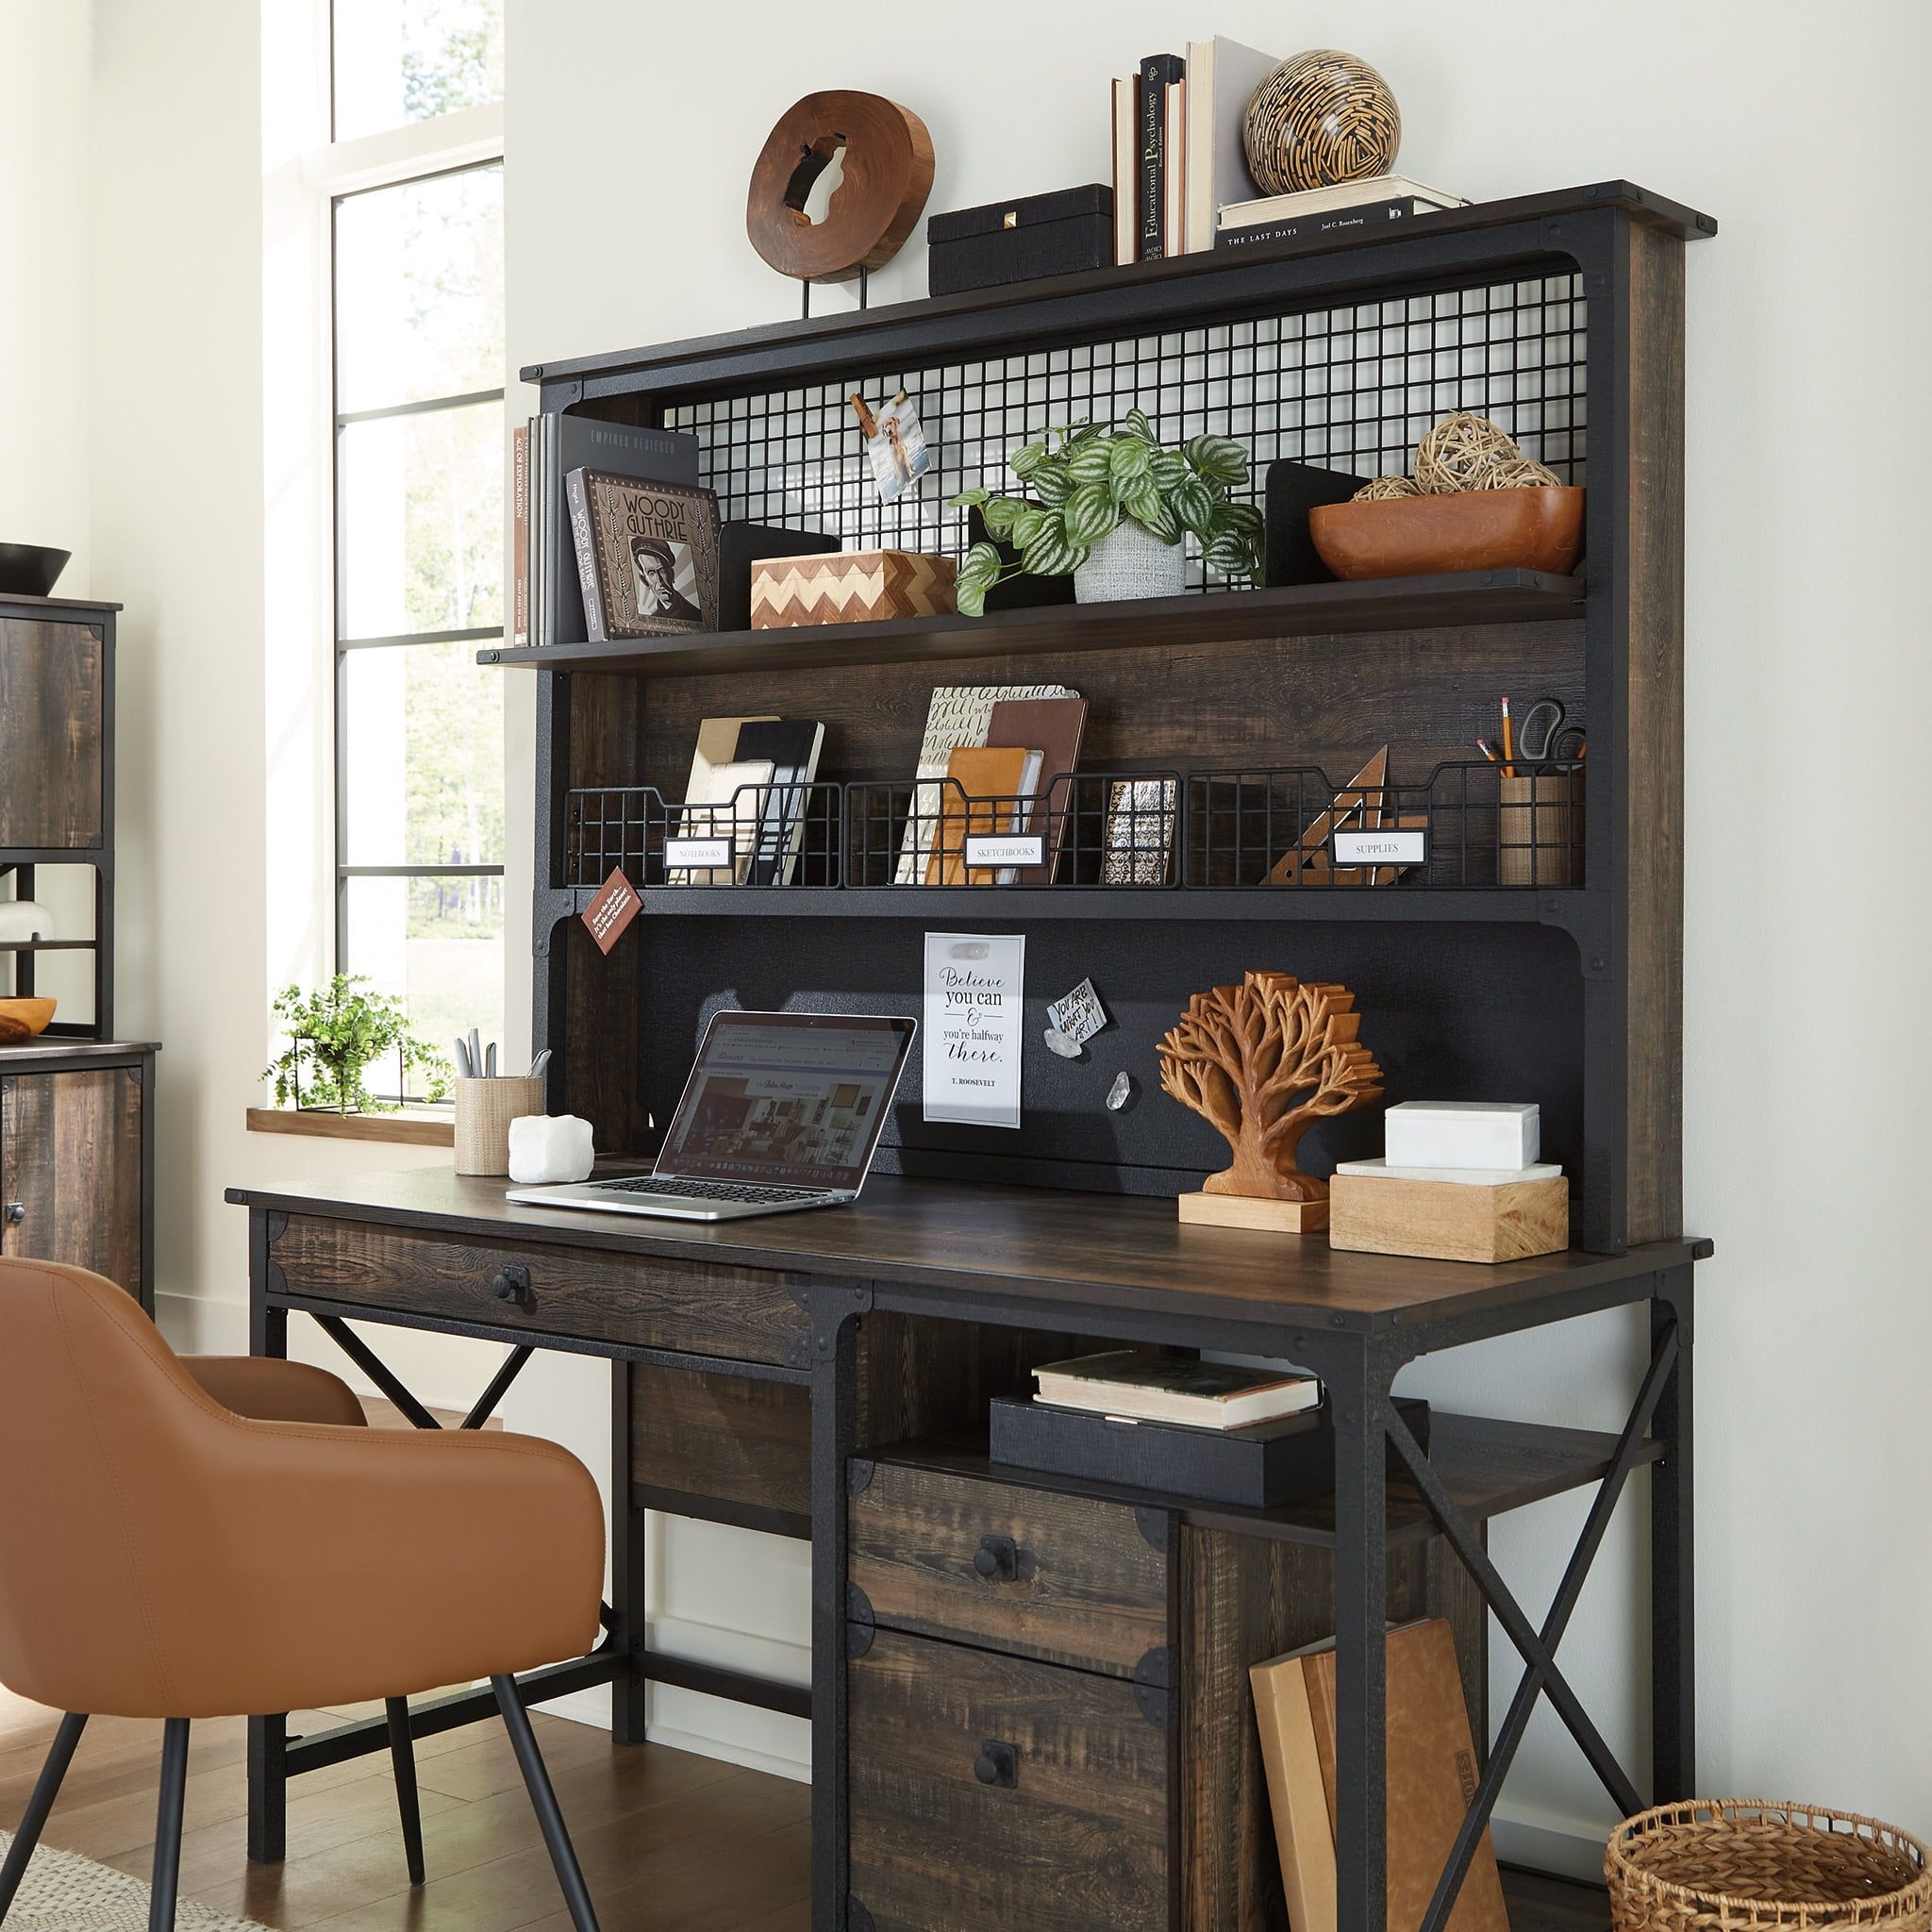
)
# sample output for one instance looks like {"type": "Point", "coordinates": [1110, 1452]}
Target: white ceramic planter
{"type": "Point", "coordinates": [1129, 562]}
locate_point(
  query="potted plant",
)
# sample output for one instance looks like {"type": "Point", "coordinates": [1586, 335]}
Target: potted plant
{"type": "Point", "coordinates": [1111, 508]}
{"type": "Point", "coordinates": [336, 1033]}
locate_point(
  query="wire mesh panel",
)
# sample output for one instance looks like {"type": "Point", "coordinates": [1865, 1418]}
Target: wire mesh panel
{"type": "Point", "coordinates": [1352, 388]}
{"type": "Point", "coordinates": [763, 835]}
{"type": "Point", "coordinates": [1094, 829]}
{"type": "Point", "coordinates": [1475, 826]}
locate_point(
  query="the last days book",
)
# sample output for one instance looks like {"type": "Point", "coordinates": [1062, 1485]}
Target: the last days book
{"type": "Point", "coordinates": [647, 555]}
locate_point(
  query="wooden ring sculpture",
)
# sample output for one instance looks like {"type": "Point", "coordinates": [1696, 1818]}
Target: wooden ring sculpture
{"type": "Point", "coordinates": [886, 177]}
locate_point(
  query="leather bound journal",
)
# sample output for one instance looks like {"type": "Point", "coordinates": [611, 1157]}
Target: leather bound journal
{"type": "Point", "coordinates": [996, 779]}
{"type": "Point", "coordinates": [1056, 725]}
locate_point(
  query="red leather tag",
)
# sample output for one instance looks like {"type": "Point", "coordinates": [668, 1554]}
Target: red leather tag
{"type": "Point", "coordinates": [616, 905]}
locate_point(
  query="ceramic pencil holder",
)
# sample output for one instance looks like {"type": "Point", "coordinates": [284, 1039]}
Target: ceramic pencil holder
{"type": "Point", "coordinates": [484, 1111]}
{"type": "Point", "coordinates": [1540, 830]}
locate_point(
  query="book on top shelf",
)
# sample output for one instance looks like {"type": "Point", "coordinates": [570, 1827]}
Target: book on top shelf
{"type": "Point", "coordinates": [647, 553]}
{"type": "Point", "coordinates": [1334, 222]}
{"type": "Point", "coordinates": [1221, 78]}
{"type": "Point", "coordinates": [1157, 71]}
{"type": "Point", "coordinates": [1141, 1386]}
{"type": "Point", "coordinates": [1315, 201]}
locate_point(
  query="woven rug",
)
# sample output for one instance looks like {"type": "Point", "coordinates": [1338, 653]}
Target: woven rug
{"type": "Point", "coordinates": [64, 1893]}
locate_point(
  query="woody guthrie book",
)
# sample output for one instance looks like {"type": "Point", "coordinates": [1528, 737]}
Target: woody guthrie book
{"type": "Point", "coordinates": [647, 555]}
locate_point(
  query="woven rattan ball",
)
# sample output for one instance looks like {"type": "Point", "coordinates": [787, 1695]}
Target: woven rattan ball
{"type": "Point", "coordinates": [1458, 450]}
{"type": "Point", "coordinates": [1385, 486]}
{"type": "Point", "coordinates": [1321, 117]}
{"type": "Point", "coordinates": [1517, 473]}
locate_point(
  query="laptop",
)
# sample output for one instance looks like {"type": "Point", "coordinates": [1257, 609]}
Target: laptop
{"type": "Point", "coordinates": [782, 1111]}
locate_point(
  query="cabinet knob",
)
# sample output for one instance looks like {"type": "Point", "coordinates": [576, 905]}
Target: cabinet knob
{"type": "Point", "coordinates": [997, 1764]}
{"type": "Point", "coordinates": [512, 1284]}
{"type": "Point", "coordinates": [15, 1212]}
{"type": "Point", "coordinates": [997, 1559]}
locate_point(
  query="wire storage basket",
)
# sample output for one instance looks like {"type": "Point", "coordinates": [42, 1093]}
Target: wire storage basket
{"type": "Point", "coordinates": [1749, 1865]}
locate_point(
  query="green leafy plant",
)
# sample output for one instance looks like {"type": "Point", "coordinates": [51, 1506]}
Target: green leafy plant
{"type": "Point", "coordinates": [1086, 481]}
{"type": "Point", "coordinates": [334, 1034]}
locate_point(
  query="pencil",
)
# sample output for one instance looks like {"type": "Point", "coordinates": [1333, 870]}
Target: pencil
{"type": "Point", "coordinates": [1482, 744]}
{"type": "Point", "coordinates": [1508, 744]}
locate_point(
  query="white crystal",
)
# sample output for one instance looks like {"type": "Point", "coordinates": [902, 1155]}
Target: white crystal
{"type": "Point", "coordinates": [549, 1147]}
{"type": "Point", "coordinates": [1058, 1042]}
{"type": "Point", "coordinates": [1120, 1093]}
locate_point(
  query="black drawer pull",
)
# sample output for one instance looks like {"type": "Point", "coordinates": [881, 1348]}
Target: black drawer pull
{"type": "Point", "coordinates": [16, 1212]}
{"type": "Point", "coordinates": [997, 1559]}
{"type": "Point", "coordinates": [512, 1284]}
{"type": "Point", "coordinates": [997, 1764]}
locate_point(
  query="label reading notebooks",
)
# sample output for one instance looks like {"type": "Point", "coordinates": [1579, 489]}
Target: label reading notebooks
{"type": "Point", "coordinates": [708, 852]}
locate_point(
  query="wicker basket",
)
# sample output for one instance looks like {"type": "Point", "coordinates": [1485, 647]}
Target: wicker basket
{"type": "Point", "coordinates": [484, 1111]}
{"type": "Point", "coordinates": [1744, 1865]}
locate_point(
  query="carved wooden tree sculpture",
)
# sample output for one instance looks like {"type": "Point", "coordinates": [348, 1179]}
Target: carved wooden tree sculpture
{"type": "Point", "coordinates": [1264, 1061]}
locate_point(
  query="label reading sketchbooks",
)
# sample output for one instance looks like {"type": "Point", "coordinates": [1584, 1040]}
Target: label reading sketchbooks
{"type": "Point", "coordinates": [1381, 848]}
{"type": "Point", "coordinates": [697, 850]}
{"type": "Point", "coordinates": [616, 905]}
{"type": "Point", "coordinates": [1007, 848]}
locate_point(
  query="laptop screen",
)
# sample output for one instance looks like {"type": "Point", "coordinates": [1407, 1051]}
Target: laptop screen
{"type": "Point", "coordinates": [796, 1100]}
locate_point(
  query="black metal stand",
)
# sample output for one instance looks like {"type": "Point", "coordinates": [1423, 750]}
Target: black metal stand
{"type": "Point", "coordinates": [563, 1857]}
{"type": "Point", "coordinates": [46, 1789]}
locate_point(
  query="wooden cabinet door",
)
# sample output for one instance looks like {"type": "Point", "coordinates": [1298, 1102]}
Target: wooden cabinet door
{"type": "Point", "coordinates": [50, 734]}
{"type": "Point", "coordinates": [70, 1170]}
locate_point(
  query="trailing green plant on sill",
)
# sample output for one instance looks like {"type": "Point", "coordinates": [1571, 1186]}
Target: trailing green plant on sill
{"type": "Point", "coordinates": [1086, 481]}
{"type": "Point", "coordinates": [338, 1032]}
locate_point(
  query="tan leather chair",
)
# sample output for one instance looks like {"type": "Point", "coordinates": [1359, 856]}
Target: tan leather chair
{"type": "Point", "coordinates": [220, 1537]}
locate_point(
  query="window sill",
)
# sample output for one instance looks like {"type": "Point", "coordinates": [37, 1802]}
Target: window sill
{"type": "Point", "coordinates": [413, 1127]}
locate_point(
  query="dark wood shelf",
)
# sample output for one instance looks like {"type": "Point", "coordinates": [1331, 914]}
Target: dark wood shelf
{"type": "Point", "coordinates": [1389, 904]}
{"type": "Point", "coordinates": [1488, 1468]}
{"type": "Point", "coordinates": [1388, 604]}
{"type": "Point", "coordinates": [48, 946]}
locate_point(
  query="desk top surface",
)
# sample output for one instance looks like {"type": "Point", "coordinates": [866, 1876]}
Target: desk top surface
{"type": "Point", "coordinates": [1058, 1251]}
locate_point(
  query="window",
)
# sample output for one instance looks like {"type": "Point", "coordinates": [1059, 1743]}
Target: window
{"type": "Point", "coordinates": [419, 514]}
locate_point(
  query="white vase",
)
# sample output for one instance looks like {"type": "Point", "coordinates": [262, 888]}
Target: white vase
{"type": "Point", "coordinates": [1130, 563]}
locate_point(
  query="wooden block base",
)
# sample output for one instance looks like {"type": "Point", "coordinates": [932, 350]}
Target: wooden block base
{"type": "Point", "coordinates": [1253, 1210]}
{"type": "Point", "coordinates": [1448, 1222]}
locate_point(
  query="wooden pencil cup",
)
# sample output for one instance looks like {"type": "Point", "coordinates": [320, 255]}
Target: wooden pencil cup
{"type": "Point", "coordinates": [1540, 830]}
{"type": "Point", "coordinates": [484, 1111]}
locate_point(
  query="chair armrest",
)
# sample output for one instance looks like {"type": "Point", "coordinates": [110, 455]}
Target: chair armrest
{"type": "Point", "coordinates": [269, 1390]}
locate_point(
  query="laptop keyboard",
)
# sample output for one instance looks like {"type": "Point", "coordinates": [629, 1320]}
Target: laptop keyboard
{"type": "Point", "coordinates": [708, 1191]}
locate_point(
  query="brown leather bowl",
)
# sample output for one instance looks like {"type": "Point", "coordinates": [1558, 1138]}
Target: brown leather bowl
{"type": "Point", "coordinates": [1474, 530]}
{"type": "Point", "coordinates": [22, 1018]}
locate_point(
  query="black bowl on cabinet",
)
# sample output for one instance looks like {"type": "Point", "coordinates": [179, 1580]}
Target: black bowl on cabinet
{"type": "Point", "coordinates": [31, 570]}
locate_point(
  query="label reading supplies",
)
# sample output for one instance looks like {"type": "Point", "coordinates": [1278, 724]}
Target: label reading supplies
{"type": "Point", "coordinates": [695, 852]}
{"type": "Point", "coordinates": [1005, 848]}
{"type": "Point", "coordinates": [1381, 848]}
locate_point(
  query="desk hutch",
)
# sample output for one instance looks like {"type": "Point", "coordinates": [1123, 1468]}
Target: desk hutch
{"type": "Point", "coordinates": [1029, 1698]}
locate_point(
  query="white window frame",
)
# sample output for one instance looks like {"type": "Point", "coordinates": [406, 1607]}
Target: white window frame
{"type": "Point", "coordinates": [470, 137]}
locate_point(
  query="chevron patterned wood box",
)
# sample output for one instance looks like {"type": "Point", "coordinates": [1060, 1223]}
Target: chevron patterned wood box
{"type": "Point", "coordinates": [849, 587]}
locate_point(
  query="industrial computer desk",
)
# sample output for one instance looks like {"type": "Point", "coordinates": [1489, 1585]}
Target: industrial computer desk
{"type": "Point", "coordinates": [777, 1362]}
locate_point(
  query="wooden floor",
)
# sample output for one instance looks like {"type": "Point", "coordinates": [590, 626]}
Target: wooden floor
{"type": "Point", "coordinates": [669, 1841]}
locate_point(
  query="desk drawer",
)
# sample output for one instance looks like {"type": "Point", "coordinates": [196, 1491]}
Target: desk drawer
{"type": "Point", "coordinates": [1061, 1824]}
{"type": "Point", "coordinates": [1064, 1578]}
{"type": "Point", "coordinates": [705, 1307]}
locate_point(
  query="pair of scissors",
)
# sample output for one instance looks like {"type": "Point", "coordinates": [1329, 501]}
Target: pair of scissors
{"type": "Point", "coordinates": [1542, 737]}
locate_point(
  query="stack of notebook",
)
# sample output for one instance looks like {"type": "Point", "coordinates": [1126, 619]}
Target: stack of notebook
{"type": "Point", "coordinates": [996, 759]}
{"type": "Point", "coordinates": [750, 780]}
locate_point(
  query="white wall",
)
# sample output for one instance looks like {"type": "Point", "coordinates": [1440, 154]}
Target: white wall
{"type": "Point", "coordinates": [1808, 409]}
{"type": "Point", "coordinates": [1807, 417]}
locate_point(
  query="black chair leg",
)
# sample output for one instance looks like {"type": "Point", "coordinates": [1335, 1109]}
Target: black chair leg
{"type": "Point", "coordinates": [161, 1911]}
{"type": "Point", "coordinates": [45, 1792]}
{"type": "Point", "coordinates": [402, 1755]}
{"type": "Point", "coordinates": [516, 1721]}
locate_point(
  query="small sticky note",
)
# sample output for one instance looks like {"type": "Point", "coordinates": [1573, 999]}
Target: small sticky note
{"type": "Point", "coordinates": [1078, 1014]}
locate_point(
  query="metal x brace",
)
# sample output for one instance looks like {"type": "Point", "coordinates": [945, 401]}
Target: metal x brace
{"type": "Point", "coordinates": [1538, 1649]}
{"type": "Point", "coordinates": [385, 1378]}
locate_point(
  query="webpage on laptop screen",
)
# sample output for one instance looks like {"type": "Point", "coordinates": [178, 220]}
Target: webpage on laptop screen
{"type": "Point", "coordinates": [795, 1104]}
